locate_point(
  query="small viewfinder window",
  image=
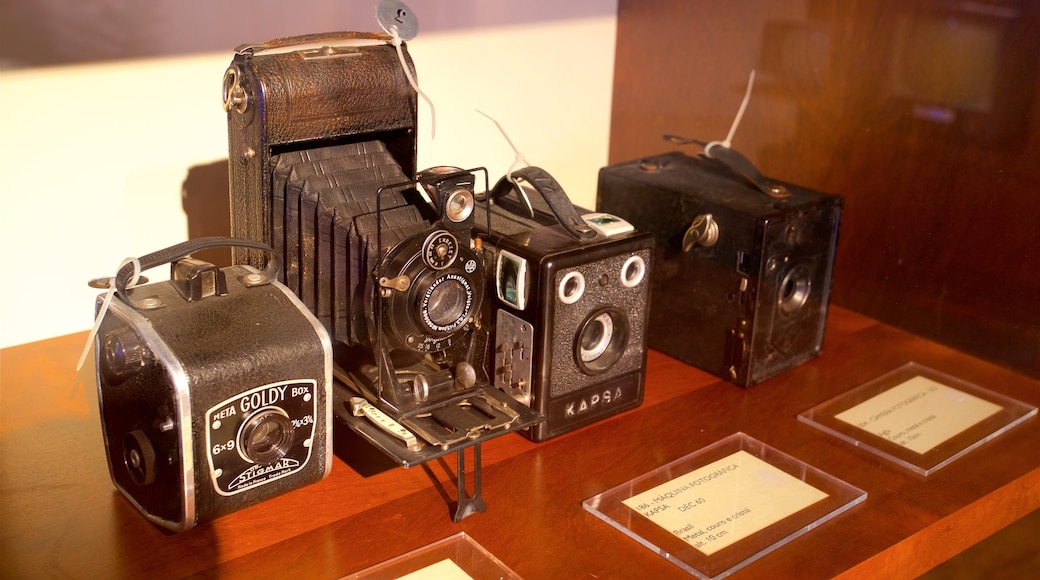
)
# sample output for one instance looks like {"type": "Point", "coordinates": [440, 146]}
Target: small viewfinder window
{"type": "Point", "coordinates": [511, 279]}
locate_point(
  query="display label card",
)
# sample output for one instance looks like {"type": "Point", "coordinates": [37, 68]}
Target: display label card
{"type": "Point", "coordinates": [444, 570]}
{"type": "Point", "coordinates": [725, 501]}
{"type": "Point", "coordinates": [919, 414]}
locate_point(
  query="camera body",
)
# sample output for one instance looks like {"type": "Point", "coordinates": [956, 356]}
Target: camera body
{"type": "Point", "coordinates": [322, 150]}
{"type": "Point", "coordinates": [743, 280]}
{"type": "Point", "coordinates": [214, 393]}
{"type": "Point", "coordinates": [569, 310]}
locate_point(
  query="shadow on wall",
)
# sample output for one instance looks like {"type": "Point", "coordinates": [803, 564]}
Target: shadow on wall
{"type": "Point", "coordinates": [207, 205]}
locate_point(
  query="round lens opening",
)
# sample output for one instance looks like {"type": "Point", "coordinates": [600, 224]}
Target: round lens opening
{"type": "Point", "coordinates": [601, 341]}
{"type": "Point", "coordinates": [447, 302]}
{"type": "Point", "coordinates": [267, 436]}
{"type": "Point", "coordinates": [596, 337]}
{"type": "Point", "coordinates": [794, 290]}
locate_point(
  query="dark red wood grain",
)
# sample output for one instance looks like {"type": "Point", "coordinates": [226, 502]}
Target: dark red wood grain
{"type": "Point", "coordinates": [61, 516]}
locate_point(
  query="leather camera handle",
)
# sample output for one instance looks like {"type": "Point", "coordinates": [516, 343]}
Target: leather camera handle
{"type": "Point", "coordinates": [737, 163]}
{"type": "Point", "coordinates": [553, 194]}
{"type": "Point", "coordinates": [184, 249]}
{"type": "Point", "coordinates": [317, 38]}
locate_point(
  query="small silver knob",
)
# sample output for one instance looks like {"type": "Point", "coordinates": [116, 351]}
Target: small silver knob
{"type": "Point", "coordinates": [704, 231]}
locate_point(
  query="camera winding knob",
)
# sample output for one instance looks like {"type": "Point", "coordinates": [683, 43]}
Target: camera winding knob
{"type": "Point", "coordinates": [703, 231]}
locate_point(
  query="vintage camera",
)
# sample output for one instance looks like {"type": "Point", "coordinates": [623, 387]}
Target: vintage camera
{"type": "Point", "coordinates": [570, 295]}
{"type": "Point", "coordinates": [214, 389]}
{"type": "Point", "coordinates": [322, 145]}
{"type": "Point", "coordinates": [744, 265]}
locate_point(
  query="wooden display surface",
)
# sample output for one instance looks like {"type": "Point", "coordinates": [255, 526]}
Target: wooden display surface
{"type": "Point", "coordinates": [60, 515]}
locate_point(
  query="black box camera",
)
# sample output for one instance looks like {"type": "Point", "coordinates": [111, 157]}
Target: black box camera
{"type": "Point", "coordinates": [214, 389]}
{"type": "Point", "coordinates": [743, 279]}
{"type": "Point", "coordinates": [569, 302]}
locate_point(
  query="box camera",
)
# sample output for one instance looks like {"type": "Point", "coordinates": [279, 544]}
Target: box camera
{"type": "Point", "coordinates": [214, 389]}
{"type": "Point", "coordinates": [322, 145]}
{"type": "Point", "coordinates": [743, 278]}
{"type": "Point", "coordinates": [569, 300]}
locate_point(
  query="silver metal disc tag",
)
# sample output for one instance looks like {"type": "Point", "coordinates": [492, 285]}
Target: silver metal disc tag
{"type": "Point", "coordinates": [393, 14]}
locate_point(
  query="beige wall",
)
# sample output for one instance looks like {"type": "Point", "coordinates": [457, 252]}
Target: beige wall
{"type": "Point", "coordinates": [93, 157]}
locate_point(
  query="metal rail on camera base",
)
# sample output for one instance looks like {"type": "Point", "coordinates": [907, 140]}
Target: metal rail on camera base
{"type": "Point", "coordinates": [408, 449]}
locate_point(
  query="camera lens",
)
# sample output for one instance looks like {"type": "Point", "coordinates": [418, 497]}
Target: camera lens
{"type": "Point", "coordinates": [266, 436]}
{"type": "Point", "coordinates": [447, 302]}
{"type": "Point", "coordinates": [794, 289]}
{"type": "Point", "coordinates": [601, 340]}
{"type": "Point", "coordinates": [596, 337]}
{"type": "Point", "coordinates": [436, 306]}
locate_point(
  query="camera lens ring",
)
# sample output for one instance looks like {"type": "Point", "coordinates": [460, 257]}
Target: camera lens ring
{"type": "Point", "coordinates": [571, 288]}
{"type": "Point", "coordinates": [446, 303]}
{"type": "Point", "coordinates": [593, 342]}
{"type": "Point", "coordinates": [633, 271]}
{"type": "Point", "coordinates": [794, 290]}
{"type": "Point", "coordinates": [266, 436]}
{"type": "Point", "coordinates": [407, 320]}
{"type": "Point", "coordinates": [601, 340]}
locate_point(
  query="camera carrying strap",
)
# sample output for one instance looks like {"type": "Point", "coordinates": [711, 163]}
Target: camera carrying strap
{"type": "Point", "coordinates": [184, 249]}
{"type": "Point", "coordinates": [550, 191]}
{"type": "Point", "coordinates": [736, 162]}
{"type": "Point", "coordinates": [130, 270]}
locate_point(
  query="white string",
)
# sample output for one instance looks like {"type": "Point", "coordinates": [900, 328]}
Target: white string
{"type": "Point", "coordinates": [411, 80]}
{"type": "Point", "coordinates": [518, 159]}
{"type": "Point", "coordinates": [104, 306]}
{"type": "Point", "coordinates": [736, 122]}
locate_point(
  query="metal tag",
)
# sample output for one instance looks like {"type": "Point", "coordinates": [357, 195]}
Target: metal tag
{"type": "Point", "coordinates": [393, 14]}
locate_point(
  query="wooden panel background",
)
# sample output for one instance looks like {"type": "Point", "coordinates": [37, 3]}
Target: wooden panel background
{"type": "Point", "coordinates": [941, 234]}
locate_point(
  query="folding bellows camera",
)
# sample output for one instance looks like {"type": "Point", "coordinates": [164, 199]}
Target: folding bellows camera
{"type": "Point", "coordinates": [322, 157]}
{"type": "Point", "coordinates": [743, 274]}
